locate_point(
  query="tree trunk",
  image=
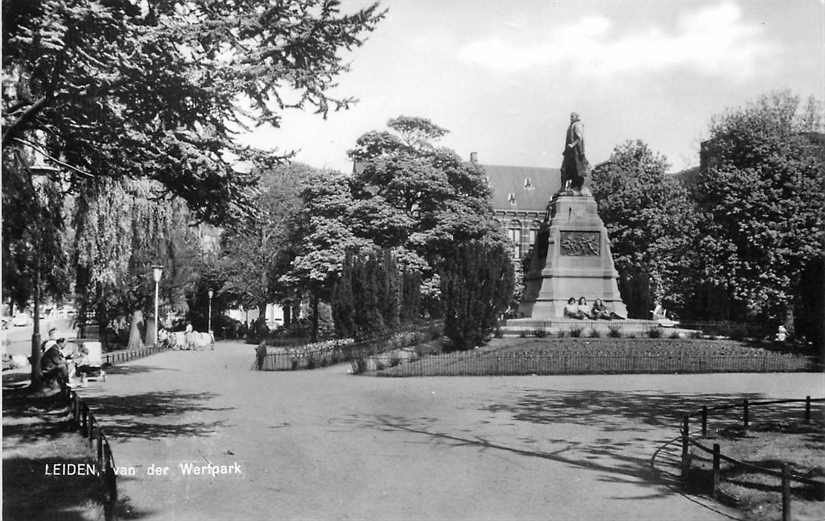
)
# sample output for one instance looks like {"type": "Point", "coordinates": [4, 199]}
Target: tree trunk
{"type": "Point", "coordinates": [135, 341]}
{"type": "Point", "coordinates": [315, 301]}
{"type": "Point", "coordinates": [261, 328]}
{"type": "Point", "coordinates": [287, 307]}
{"type": "Point", "coordinates": [151, 334]}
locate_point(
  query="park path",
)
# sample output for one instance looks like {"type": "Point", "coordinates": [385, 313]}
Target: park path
{"type": "Point", "coordinates": [329, 446]}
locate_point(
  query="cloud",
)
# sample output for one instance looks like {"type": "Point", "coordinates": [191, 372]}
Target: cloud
{"type": "Point", "coordinates": [713, 40]}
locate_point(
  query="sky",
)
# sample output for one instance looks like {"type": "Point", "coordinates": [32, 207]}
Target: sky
{"type": "Point", "coordinates": [503, 76]}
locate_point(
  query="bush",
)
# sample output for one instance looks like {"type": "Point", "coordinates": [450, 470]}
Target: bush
{"type": "Point", "coordinates": [476, 287]}
{"type": "Point", "coordinates": [539, 333]}
{"type": "Point", "coordinates": [595, 333]}
{"type": "Point", "coordinates": [522, 334]}
{"type": "Point", "coordinates": [674, 335]}
{"type": "Point", "coordinates": [576, 332]}
{"type": "Point", "coordinates": [498, 333]}
{"type": "Point", "coordinates": [614, 331]}
{"type": "Point", "coordinates": [654, 332]}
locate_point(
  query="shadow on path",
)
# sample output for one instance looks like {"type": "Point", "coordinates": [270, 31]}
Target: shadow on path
{"type": "Point", "coordinates": [36, 437]}
{"type": "Point", "coordinates": [613, 411]}
{"type": "Point", "coordinates": [155, 415]}
{"type": "Point", "coordinates": [135, 369]}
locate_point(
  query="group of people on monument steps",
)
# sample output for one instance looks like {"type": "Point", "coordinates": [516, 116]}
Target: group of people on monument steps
{"type": "Point", "coordinates": [582, 310]}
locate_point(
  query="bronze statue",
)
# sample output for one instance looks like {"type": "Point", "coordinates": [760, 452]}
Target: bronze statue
{"type": "Point", "coordinates": [574, 167]}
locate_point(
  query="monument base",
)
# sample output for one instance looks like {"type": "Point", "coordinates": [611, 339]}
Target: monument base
{"type": "Point", "coordinates": [563, 327]}
{"type": "Point", "coordinates": [571, 259]}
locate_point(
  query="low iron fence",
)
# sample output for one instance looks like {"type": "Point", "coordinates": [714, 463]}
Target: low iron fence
{"type": "Point", "coordinates": [489, 363]}
{"type": "Point", "coordinates": [114, 357]}
{"type": "Point", "coordinates": [293, 359]}
{"type": "Point", "coordinates": [84, 421]}
{"type": "Point", "coordinates": [689, 440]}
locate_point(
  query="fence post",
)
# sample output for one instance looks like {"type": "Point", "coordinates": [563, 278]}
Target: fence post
{"type": "Point", "coordinates": [99, 447]}
{"type": "Point", "coordinates": [786, 493]}
{"type": "Point", "coordinates": [715, 485]}
{"type": "Point", "coordinates": [745, 413]}
{"type": "Point", "coordinates": [704, 421]}
{"type": "Point", "coordinates": [807, 409]}
{"type": "Point", "coordinates": [685, 442]}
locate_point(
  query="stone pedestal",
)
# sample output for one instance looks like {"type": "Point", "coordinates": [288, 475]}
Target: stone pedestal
{"type": "Point", "coordinates": [571, 258]}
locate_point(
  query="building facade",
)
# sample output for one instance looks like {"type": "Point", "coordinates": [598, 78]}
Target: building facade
{"type": "Point", "coordinates": [520, 198]}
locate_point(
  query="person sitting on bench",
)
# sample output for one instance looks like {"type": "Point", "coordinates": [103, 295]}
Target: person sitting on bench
{"type": "Point", "coordinates": [53, 366]}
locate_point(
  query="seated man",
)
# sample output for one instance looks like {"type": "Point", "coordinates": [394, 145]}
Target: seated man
{"type": "Point", "coordinates": [602, 310]}
{"type": "Point", "coordinates": [53, 366]}
{"type": "Point", "coordinates": [572, 310]}
{"type": "Point", "coordinates": [599, 310]}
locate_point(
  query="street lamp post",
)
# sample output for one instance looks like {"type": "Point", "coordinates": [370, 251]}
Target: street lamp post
{"type": "Point", "coordinates": [39, 172]}
{"type": "Point", "coordinates": [209, 319]}
{"type": "Point", "coordinates": [157, 273]}
{"type": "Point", "coordinates": [36, 379]}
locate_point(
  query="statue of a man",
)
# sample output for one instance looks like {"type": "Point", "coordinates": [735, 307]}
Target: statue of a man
{"type": "Point", "coordinates": [574, 167]}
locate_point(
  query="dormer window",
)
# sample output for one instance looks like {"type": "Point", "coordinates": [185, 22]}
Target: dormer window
{"type": "Point", "coordinates": [512, 198]}
{"type": "Point", "coordinates": [528, 184]}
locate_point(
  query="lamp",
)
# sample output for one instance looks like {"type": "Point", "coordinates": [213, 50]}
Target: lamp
{"type": "Point", "coordinates": [209, 320]}
{"type": "Point", "coordinates": [157, 273]}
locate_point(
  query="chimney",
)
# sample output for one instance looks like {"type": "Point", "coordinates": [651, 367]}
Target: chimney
{"type": "Point", "coordinates": [474, 157]}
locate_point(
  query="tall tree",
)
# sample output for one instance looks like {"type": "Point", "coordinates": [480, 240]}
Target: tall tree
{"type": "Point", "coordinates": [476, 285]}
{"type": "Point", "coordinates": [763, 192]}
{"type": "Point", "coordinates": [121, 230]}
{"type": "Point", "coordinates": [417, 198]}
{"type": "Point", "coordinates": [158, 89]}
{"type": "Point", "coordinates": [255, 251]}
{"type": "Point", "coordinates": [34, 231]}
{"type": "Point", "coordinates": [651, 223]}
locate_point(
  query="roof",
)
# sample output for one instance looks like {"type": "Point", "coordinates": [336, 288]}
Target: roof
{"type": "Point", "coordinates": [522, 187]}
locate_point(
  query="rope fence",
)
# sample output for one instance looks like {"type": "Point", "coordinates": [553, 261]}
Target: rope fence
{"type": "Point", "coordinates": [716, 457]}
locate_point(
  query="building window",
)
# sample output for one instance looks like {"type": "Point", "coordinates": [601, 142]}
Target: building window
{"type": "Point", "coordinates": [514, 234]}
{"type": "Point", "coordinates": [531, 237]}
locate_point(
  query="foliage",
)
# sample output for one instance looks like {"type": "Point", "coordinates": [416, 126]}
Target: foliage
{"type": "Point", "coordinates": [763, 195]}
{"type": "Point", "coordinates": [651, 223]}
{"type": "Point", "coordinates": [34, 231]}
{"type": "Point", "coordinates": [417, 198]}
{"type": "Point", "coordinates": [406, 197]}
{"type": "Point", "coordinates": [121, 88]}
{"type": "Point", "coordinates": [372, 295]}
{"type": "Point", "coordinates": [476, 286]}
{"type": "Point", "coordinates": [255, 251]}
{"type": "Point", "coordinates": [121, 231]}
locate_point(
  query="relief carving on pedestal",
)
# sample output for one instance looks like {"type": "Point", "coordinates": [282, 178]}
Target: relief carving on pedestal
{"type": "Point", "coordinates": [580, 244]}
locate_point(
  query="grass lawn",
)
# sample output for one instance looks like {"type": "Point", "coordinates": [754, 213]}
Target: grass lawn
{"type": "Point", "coordinates": [513, 356]}
{"type": "Point", "coordinates": [35, 435]}
{"type": "Point", "coordinates": [776, 436]}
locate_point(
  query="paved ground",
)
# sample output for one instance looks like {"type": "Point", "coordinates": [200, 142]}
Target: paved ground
{"type": "Point", "coordinates": [326, 445]}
